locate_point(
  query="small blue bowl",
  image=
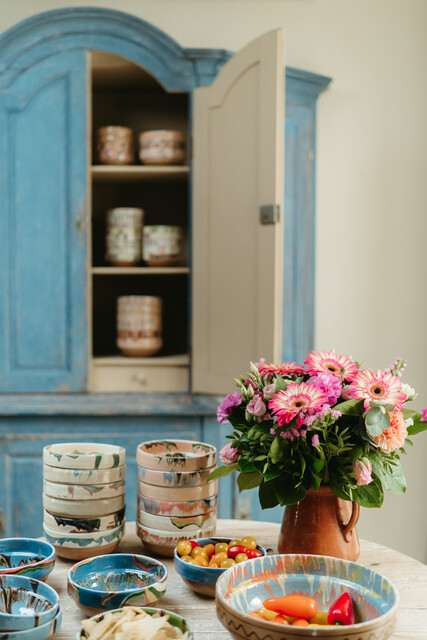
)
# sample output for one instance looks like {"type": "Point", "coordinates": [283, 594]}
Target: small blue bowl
{"type": "Point", "coordinates": [25, 603]}
{"type": "Point", "coordinates": [112, 581]}
{"type": "Point", "coordinates": [38, 633]}
{"type": "Point", "coordinates": [203, 579]}
{"type": "Point", "coordinates": [26, 557]}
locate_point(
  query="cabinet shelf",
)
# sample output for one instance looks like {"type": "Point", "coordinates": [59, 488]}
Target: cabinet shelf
{"type": "Point", "coordinates": [117, 271]}
{"type": "Point", "coordinates": [180, 360]}
{"type": "Point", "coordinates": [137, 173]}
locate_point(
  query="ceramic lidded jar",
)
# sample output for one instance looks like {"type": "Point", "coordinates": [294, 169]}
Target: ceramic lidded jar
{"type": "Point", "coordinates": [123, 238]}
{"type": "Point", "coordinates": [139, 325]}
{"type": "Point", "coordinates": [161, 147]}
{"type": "Point", "coordinates": [162, 245]}
{"type": "Point", "coordinates": [115, 145]}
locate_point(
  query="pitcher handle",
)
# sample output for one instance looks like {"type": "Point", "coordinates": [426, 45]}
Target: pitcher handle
{"type": "Point", "coordinates": [352, 522]}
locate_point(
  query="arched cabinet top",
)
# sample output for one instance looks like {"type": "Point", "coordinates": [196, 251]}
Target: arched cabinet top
{"type": "Point", "coordinates": [60, 30]}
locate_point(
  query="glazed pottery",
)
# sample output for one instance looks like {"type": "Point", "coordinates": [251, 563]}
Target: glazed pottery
{"type": "Point", "coordinates": [139, 347]}
{"type": "Point", "coordinates": [26, 557]}
{"type": "Point", "coordinates": [174, 478]}
{"type": "Point", "coordinates": [176, 524]}
{"type": "Point", "coordinates": [123, 239]}
{"type": "Point", "coordinates": [84, 476]}
{"type": "Point", "coordinates": [83, 508]}
{"type": "Point", "coordinates": [178, 493]}
{"type": "Point", "coordinates": [110, 581]}
{"type": "Point", "coordinates": [162, 245]}
{"type": "Point", "coordinates": [83, 455]}
{"type": "Point", "coordinates": [25, 603]}
{"type": "Point", "coordinates": [83, 540]}
{"type": "Point", "coordinates": [42, 632]}
{"type": "Point", "coordinates": [173, 619]}
{"type": "Point", "coordinates": [83, 491]}
{"type": "Point", "coordinates": [161, 147]}
{"type": "Point", "coordinates": [202, 579]}
{"type": "Point", "coordinates": [163, 543]}
{"type": "Point", "coordinates": [175, 455]}
{"type": "Point", "coordinates": [321, 524]}
{"type": "Point", "coordinates": [245, 586]}
{"type": "Point", "coordinates": [61, 524]}
{"type": "Point", "coordinates": [115, 145]}
{"type": "Point", "coordinates": [182, 508]}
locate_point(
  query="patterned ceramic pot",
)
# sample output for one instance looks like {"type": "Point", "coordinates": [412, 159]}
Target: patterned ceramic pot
{"type": "Point", "coordinates": [62, 524]}
{"type": "Point", "coordinates": [162, 245]}
{"type": "Point", "coordinates": [178, 493]}
{"type": "Point", "coordinates": [78, 546]}
{"type": "Point", "coordinates": [83, 455]}
{"type": "Point", "coordinates": [175, 455]}
{"type": "Point", "coordinates": [26, 603]}
{"type": "Point", "coordinates": [161, 147]}
{"type": "Point", "coordinates": [176, 524]}
{"type": "Point", "coordinates": [83, 508]}
{"type": "Point", "coordinates": [180, 509]}
{"type": "Point", "coordinates": [84, 476]}
{"type": "Point", "coordinates": [26, 557]}
{"type": "Point", "coordinates": [83, 491]}
{"type": "Point", "coordinates": [109, 581]}
{"type": "Point", "coordinates": [115, 145]}
{"type": "Point", "coordinates": [164, 542]}
{"type": "Point", "coordinates": [139, 317]}
{"type": "Point", "coordinates": [174, 478]}
{"type": "Point", "coordinates": [124, 233]}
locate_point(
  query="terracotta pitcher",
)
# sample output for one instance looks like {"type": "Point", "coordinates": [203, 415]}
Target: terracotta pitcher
{"type": "Point", "coordinates": [321, 524]}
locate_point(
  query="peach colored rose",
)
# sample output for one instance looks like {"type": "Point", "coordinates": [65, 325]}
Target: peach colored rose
{"type": "Point", "coordinates": [362, 472]}
{"type": "Point", "coordinates": [394, 437]}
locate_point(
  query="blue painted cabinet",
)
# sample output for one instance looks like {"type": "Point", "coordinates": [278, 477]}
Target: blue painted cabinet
{"type": "Point", "coordinates": [45, 341]}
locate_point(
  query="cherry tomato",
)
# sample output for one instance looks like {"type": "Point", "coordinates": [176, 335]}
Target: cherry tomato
{"type": "Point", "coordinates": [256, 615]}
{"type": "Point", "coordinates": [235, 550]}
{"type": "Point", "coordinates": [280, 620]}
{"type": "Point", "coordinates": [198, 551]}
{"type": "Point", "coordinates": [213, 564]}
{"type": "Point", "coordinates": [183, 548]}
{"type": "Point", "coordinates": [301, 623]}
{"type": "Point", "coordinates": [249, 542]}
{"type": "Point", "coordinates": [234, 541]}
{"type": "Point", "coordinates": [219, 557]}
{"type": "Point", "coordinates": [193, 561]}
{"type": "Point", "coordinates": [295, 606]}
{"type": "Point", "coordinates": [203, 562]}
{"type": "Point", "coordinates": [209, 548]}
{"type": "Point", "coordinates": [229, 562]}
{"type": "Point", "coordinates": [241, 557]}
{"type": "Point", "coordinates": [221, 546]}
{"type": "Point", "coordinates": [186, 558]}
{"type": "Point", "coordinates": [321, 617]}
{"type": "Point", "coordinates": [254, 553]}
{"type": "Point", "coordinates": [268, 615]}
{"type": "Point", "coordinates": [194, 543]}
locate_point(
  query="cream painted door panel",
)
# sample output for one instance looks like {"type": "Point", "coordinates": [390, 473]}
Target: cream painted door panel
{"type": "Point", "coordinates": [238, 166]}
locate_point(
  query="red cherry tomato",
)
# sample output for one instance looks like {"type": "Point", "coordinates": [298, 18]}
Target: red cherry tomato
{"type": "Point", "coordinates": [194, 543]}
{"type": "Point", "coordinates": [234, 551]}
{"type": "Point", "coordinates": [253, 553]}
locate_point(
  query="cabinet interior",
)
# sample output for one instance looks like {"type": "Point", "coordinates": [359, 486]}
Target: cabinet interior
{"type": "Point", "coordinates": [126, 95]}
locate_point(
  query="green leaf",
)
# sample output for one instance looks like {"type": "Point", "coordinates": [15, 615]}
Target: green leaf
{"type": "Point", "coordinates": [350, 407]}
{"type": "Point", "coordinates": [392, 477]}
{"type": "Point", "coordinates": [287, 492]}
{"type": "Point", "coordinates": [369, 495]}
{"type": "Point", "coordinates": [316, 464]}
{"type": "Point", "coordinates": [280, 384]}
{"type": "Point", "coordinates": [276, 453]}
{"type": "Point", "coordinates": [249, 480]}
{"type": "Point", "coordinates": [246, 466]}
{"type": "Point", "coordinates": [267, 495]}
{"type": "Point", "coordinates": [376, 421]}
{"type": "Point", "coordinates": [221, 472]}
{"type": "Point", "coordinates": [417, 427]}
{"type": "Point", "coordinates": [410, 413]}
{"type": "Point", "coordinates": [316, 481]}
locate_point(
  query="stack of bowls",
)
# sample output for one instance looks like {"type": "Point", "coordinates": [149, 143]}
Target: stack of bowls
{"type": "Point", "coordinates": [124, 236]}
{"type": "Point", "coordinates": [83, 498]}
{"type": "Point", "coordinates": [175, 499]}
{"type": "Point", "coordinates": [139, 325]}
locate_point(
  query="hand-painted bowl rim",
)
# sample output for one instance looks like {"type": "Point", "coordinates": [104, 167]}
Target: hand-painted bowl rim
{"type": "Point", "coordinates": [58, 535]}
{"type": "Point", "coordinates": [330, 631]}
{"type": "Point", "coordinates": [148, 460]}
{"type": "Point", "coordinates": [12, 621]}
{"type": "Point", "coordinates": [42, 632]}
{"type": "Point", "coordinates": [82, 461]}
{"type": "Point", "coordinates": [150, 610]}
{"type": "Point", "coordinates": [99, 592]}
{"type": "Point", "coordinates": [30, 542]}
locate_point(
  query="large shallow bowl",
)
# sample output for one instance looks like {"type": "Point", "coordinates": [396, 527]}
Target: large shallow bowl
{"type": "Point", "coordinates": [178, 493]}
{"type": "Point", "coordinates": [62, 524]}
{"type": "Point", "coordinates": [37, 633]}
{"type": "Point", "coordinates": [181, 508]}
{"type": "Point", "coordinates": [83, 508]}
{"type": "Point", "coordinates": [175, 455]}
{"type": "Point", "coordinates": [164, 542]}
{"type": "Point", "coordinates": [177, 524]}
{"type": "Point", "coordinates": [202, 579]}
{"type": "Point", "coordinates": [25, 603]}
{"type": "Point", "coordinates": [112, 581]}
{"type": "Point", "coordinates": [84, 476]}
{"type": "Point", "coordinates": [26, 556]}
{"type": "Point", "coordinates": [174, 478]}
{"type": "Point", "coordinates": [174, 619]}
{"type": "Point", "coordinates": [83, 491]}
{"type": "Point", "coordinates": [244, 587]}
{"type": "Point", "coordinates": [83, 455]}
{"type": "Point", "coordinates": [79, 546]}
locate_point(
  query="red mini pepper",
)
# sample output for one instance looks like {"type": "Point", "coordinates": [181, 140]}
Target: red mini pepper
{"type": "Point", "coordinates": [342, 612]}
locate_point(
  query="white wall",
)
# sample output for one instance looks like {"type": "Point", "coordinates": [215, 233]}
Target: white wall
{"type": "Point", "coordinates": [371, 181]}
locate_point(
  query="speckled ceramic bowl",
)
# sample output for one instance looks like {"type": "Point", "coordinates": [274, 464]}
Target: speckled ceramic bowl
{"type": "Point", "coordinates": [83, 508]}
{"type": "Point", "coordinates": [244, 587]}
{"type": "Point", "coordinates": [83, 455]}
{"type": "Point", "coordinates": [202, 579]}
{"type": "Point", "coordinates": [176, 524]}
{"type": "Point", "coordinates": [78, 546]}
{"type": "Point", "coordinates": [178, 493]}
{"type": "Point", "coordinates": [164, 542]}
{"type": "Point", "coordinates": [174, 619]}
{"type": "Point", "coordinates": [42, 632]}
{"type": "Point", "coordinates": [26, 603]}
{"type": "Point", "coordinates": [83, 491]}
{"type": "Point", "coordinates": [174, 478]}
{"type": "Point", "coordinates": [180, 508]}
{"type": "Point", "coordinates": [110, 581]}
{"type": "Point", "coordinates": [84, 476]}
{"type": "Point", "coordinates": [175, 455]}
{"type": "Point", "coordinates": [27, 557]}
{"type": "Point", "coordinates": [61, 524]}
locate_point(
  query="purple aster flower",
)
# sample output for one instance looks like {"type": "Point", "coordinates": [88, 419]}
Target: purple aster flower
{"type": "Point", "coordinates": [227, 405]}
{"type": "Point", "coordinates": [328, 383]}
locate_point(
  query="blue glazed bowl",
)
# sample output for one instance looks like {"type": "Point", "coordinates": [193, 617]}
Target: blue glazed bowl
{"type": "Point", "coordinates": [26, 603]}
{"type": "Point", "coordinates": [244, 587]}
{"type": "Point", "coordinates": [202, 579]}
{"type": "Point", "coordinates": [174, 619]}
{"type": "Point", "coordinates": [26, 556]}
{"type": "Point", "coordinates": [37, 633]}
{"type": "Point", "coordinates": [113, 581]}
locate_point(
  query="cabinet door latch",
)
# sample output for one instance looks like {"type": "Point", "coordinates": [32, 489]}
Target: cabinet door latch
{"type": "Point", "coordinates": [269, 213]}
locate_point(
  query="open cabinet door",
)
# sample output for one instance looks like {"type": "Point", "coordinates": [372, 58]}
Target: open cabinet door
{"type": "Point", "coordinates": [238, 167]}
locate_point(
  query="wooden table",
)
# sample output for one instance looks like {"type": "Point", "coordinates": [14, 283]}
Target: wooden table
{"type": "Point", "coordinates": [407, 574]}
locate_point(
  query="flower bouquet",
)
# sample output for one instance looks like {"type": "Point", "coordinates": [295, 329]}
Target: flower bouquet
{"type": "Point", "coordinates": [328, 423]}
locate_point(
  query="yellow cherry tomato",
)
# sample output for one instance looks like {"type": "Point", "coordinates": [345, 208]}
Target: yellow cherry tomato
{"type": "Point", "coordinates": [268, 615]}
{"type": "Point", "coordinates": [249, 542]}
{"type": "Point", "coordinates": [221, 546]}
{"type": "Point", "coordinates": [209, 548]}
{"type": "Point", "coordinates": [198, 551]}
{"type": "Point", "coordinates": [219, 557]}
{"type": "Point", "coordinates": [241, 557]}
{"type": "Point", "coordinates": [183, 548]}
{"type": "Point", "coordinates": [186, 558]}
{"type": "Point", "coordinates": [225, 564]}
{"type": "Point", "coordinates": [195, 562]}
{"type": "Point", "coordinates": [213, 564]}
{"type": "Point", "coordinates": [203, 562]}
{"type": "Point", "coordinates": [234, 542]}
{"type": "Point", "coordinates": [321, 617]}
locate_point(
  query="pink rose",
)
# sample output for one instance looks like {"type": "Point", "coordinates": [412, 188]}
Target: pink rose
{"type": "Point", "coordinates": [346, 392]}
{"type": "Point", "coordinates": [228, 454]}
{"type": "Point", "coordinates": [227, 405]}
{"type": "Point", "coordinates": [256, 406]}
{"type": "Point", "coordinates": [269, 390]}
{"type": "Point", "coordinates": [363, 472]}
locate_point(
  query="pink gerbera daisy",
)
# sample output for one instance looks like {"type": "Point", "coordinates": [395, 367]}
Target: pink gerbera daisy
{"type": "Point", "coordinates": [296, 400]}
{"type": "Point", "coordinates": [285, 369]}
{"type": "Point", "coordinates": [394, 437]}
{"type": "Point", "coordinates": [339, 366]}
{"type": "Point", "coordinates": [383, 387]}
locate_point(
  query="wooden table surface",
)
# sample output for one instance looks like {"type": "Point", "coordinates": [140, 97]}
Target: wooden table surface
{"type": "Point", "coordinates": [407, 574]}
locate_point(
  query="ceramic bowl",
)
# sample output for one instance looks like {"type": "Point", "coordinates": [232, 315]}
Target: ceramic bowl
{"type": "Point", "coordinates": [177, 494]}
{"type": "Point", "coordinates": [62, 524]}
{"type": "Point", "coordinates": [163, 543]}
{"type": "Point", "coordinates": [83, 455]}
{"type": "Point", "coordinates": [175, 455]}
{"type": "Point", "coordinates": [244, 587]}
{"type": "Point", "coordinates": [113, 581]}
{"type": "Point", "coordinates": [174, 619]}
{"type": "Point", "coordinates": [202, 579]}
{"type": "Point", "coordinates": [42, 632]}
{"type": "Point", "coordinates": [78, 546]}
{"type": "Point", "coordinates": [25, 603]}
{"type": "Point", "coordinates": [180, 508]}
{"type": "Point", "coordinates": [83, 508]}
{"type": "Point", "coordinates": [161, 147]}
{"type": "Point", "coordinates": [83, 491]}
{"type": "Point", "coordinates": [174, 478]}
{"type": "Point", "coordinates": [84, 476]}
{"type": "Point", "coordinates": [176, 524]}
{"type": "Point", "coordinates": [161, 245]}
{"type": "Point", "coordinates": [139, 347]}
{"type": "Point", "coordinates": [26, 557]}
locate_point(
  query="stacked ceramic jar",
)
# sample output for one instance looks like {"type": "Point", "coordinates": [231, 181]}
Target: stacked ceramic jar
{"type": "Point", "coordinates": [139, 325]}
{"type": "Point", "coordinates": [175, 499]}
{"type": "Point", "coordinates": [115, 145]}
{"type": "Point", "coordinates": [83, 498]}
{"type": "Point", "coordinates": [161, 147]}
{"type": "Point", "coordinates": [162, 245]}
{"type": "Point", "coordinates": [124, 236]}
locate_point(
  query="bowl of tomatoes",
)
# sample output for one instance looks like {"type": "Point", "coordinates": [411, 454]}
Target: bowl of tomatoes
{"type": "Point", "coordinates": [201, 562]}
